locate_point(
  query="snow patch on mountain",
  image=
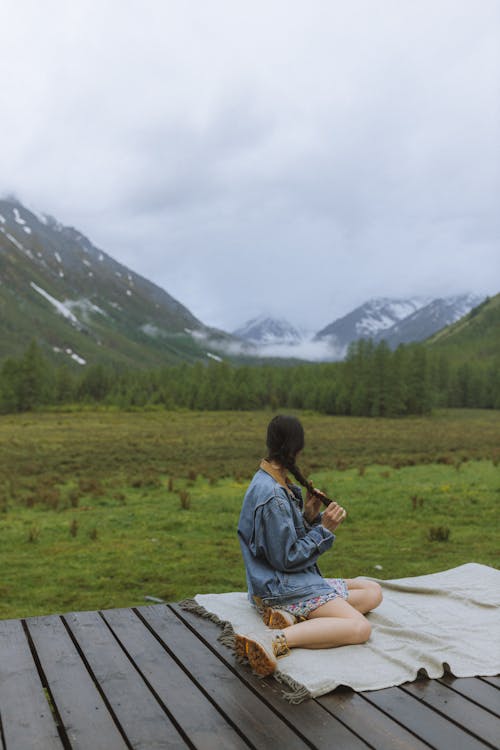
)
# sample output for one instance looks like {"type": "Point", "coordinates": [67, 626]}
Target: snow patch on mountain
{"type": "Point", "coordinates": [74, 356]}
{"type": "Point", "coordinates": [18, 218]}
{"type": "Point", "coordinates": [61, 308]}
{"type": "Point", "coordinates": [15, 242]}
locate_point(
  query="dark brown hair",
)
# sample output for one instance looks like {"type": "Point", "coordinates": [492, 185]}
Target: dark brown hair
{"type": "Point", "coordinates": [285, 439]}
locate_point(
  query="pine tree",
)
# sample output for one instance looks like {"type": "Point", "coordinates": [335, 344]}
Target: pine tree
{"type": "Point", "coordinates": [65, 387]}
{"type": "Point", "coordinates": [10, 376]}
{"type": "Point", "coordinates": [34, 379]}
{"type": "Point", "coordinates": [419, 395]}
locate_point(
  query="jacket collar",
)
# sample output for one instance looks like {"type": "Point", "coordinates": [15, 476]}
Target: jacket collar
{"type": "Point", "coordinates": [266, 466]}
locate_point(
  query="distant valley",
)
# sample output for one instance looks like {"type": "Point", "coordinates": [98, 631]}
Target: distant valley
{"type": "Point", "coordinates": [82, 306]}
{"type": "Point", "coordinates": [396, 321]}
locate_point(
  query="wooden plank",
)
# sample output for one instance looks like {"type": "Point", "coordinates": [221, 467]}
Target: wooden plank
{"type": "Point", "coordinates": [86, 718]}
{"type": "Point", "coordinates": [422, 720]}
{"type": "Point", "coordinates": [378, 729]}
{"type": "Point", "coordinates": [495, 681]}
{"type": "Point", "coordinates": [308, 719]}
{"type": "Point", "coordinates": [143, 720]}
{"type": "Point", "coordinates": [202, 724]}
{"type": "Point", "coordinates": [458, 709]}
{"type": "Point", "coordinates": [476, 690]}
{"type": "Point", "coordinates": [27, 720]}
{"type": "Point", "coordinates": [261, 726]}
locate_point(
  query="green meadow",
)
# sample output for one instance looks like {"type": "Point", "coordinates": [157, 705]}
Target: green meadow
{"type": "Point", "coordinates": [100, 509]}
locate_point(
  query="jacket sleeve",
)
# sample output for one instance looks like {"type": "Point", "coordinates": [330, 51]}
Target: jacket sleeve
{"type": "Point", "coordinates": [275, 537]}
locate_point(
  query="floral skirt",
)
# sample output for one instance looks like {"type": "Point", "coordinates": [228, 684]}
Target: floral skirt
{"type": "Point", "coordinates": [302, 609]}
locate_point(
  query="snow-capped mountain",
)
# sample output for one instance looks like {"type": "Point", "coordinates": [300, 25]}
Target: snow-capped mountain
{"type": "Point", "coordinates": [269, 331]}
{"type": "Point", "coordinates": [397, 320]}
{"type": "Point", "coordinates": [81, 305]}
{"type": "Point", "coordinates": [433, 317]}
{"type": "Point", "coordinates": [371, 319]}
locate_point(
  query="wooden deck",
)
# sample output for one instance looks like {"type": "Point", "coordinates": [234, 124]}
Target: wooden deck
{"type": "Point", "coordinates": [156, 677]}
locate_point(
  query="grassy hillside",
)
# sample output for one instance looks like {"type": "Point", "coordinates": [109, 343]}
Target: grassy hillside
{"type": "Point", "coordinates": [474, 337]}
{"type": "Point", "coordinates": [73, 298]}
{"type": "Point", "coordinates": [25, 314]}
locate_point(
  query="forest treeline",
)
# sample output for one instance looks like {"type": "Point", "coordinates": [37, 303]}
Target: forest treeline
{"type": "Point", "coordinates": [373, 380]}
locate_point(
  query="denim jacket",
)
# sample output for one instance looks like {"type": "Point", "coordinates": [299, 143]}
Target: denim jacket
{"type": "Point", "coordinates": [280, 548]}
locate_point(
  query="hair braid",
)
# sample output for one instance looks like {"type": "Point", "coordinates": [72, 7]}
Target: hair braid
{"type": "Point", "coordinates": [289, 463]}
{"type": "Point", "coordinates": [285, 440]}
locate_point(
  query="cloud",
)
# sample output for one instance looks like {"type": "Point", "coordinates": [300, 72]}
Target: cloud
{"type": "Point", "coordinates": [297, 158]}
{"type": "Point", "coordinates": [307, 349]}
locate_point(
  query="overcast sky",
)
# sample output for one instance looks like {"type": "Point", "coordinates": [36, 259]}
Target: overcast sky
{"type": "Point", "coordinates": [290, 158]}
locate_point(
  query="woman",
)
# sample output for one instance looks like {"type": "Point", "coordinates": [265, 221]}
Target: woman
{"type": "Point", "coordinates": [281, 540]}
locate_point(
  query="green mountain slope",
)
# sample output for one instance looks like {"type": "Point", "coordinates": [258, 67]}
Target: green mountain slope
{"type": "Point", "coordinates": [475, 336]}
{"type": "Point", "coordinates": [81, 306]}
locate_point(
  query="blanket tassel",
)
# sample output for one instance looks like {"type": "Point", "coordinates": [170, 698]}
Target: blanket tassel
{"type": "Point", "coordinates": [227, 635]}
{"type": "Point", "coordinates": [296, 693]}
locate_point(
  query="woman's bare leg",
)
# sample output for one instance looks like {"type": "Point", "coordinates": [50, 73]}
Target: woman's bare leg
{"type": "Point", "coordinates": [335, 623]}
{"type": "Point", "coordinates": [363, 595]}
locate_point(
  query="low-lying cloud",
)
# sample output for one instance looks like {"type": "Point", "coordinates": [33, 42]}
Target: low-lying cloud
{"type": "Point", "coordinates": [309, 350]}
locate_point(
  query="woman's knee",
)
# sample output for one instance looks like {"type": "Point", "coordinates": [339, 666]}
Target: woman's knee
{"type": "Point", "coordinates": [376, 594]}
{"type": "Point", "coordinates": [365, 596]}
{"type": "Point", "coordinates": [361, 630]}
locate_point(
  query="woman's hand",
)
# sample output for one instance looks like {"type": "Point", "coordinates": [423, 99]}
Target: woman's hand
{"type": "Point", "coordinates": [333, 516]}
{"type": "Point", "coordinates": [312, 506]}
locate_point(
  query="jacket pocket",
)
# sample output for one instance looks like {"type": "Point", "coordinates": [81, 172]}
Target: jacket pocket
{"type": "Point", "coordinates": [279, 583]}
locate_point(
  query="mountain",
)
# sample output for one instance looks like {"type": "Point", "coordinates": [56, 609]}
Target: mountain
{"type": "Point", "coordinates": [476, 336]}
{"type": "Point", "coordinates": [370, 320]}
{"type": "Point", "coordinates": [397, 321]}
{"type": "Point", "coordinates": [82, 306]}
{"type": "Point", "coordinates": [431, 318]}
{"type": "Point", "coordinates": [265, 330]}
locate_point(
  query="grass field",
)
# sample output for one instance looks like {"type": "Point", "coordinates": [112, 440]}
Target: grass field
{"type": "Point", "coordinates": [100, 509]}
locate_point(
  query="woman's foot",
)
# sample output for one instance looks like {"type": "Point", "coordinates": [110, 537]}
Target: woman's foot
{"type": "Point", "coordinates": [262, 651]}
{"type": "Point", "coordinates": [277, 619]}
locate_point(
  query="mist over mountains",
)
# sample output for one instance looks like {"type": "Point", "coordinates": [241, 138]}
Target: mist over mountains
{"type": "Point", "coordinates": [395, 321]}
{"type": "Point", "coordinates": [83, 307]}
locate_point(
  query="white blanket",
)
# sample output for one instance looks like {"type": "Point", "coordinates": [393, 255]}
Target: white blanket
{"type": "Point", "coordinates": [448, 620]}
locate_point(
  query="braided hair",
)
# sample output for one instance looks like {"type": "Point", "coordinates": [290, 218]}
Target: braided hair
{"type": "Point", "coordinates": [285, 439]}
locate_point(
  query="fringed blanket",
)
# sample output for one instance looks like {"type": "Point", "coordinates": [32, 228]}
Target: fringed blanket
{"type": "Point", "coordinates": [428, 624]}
